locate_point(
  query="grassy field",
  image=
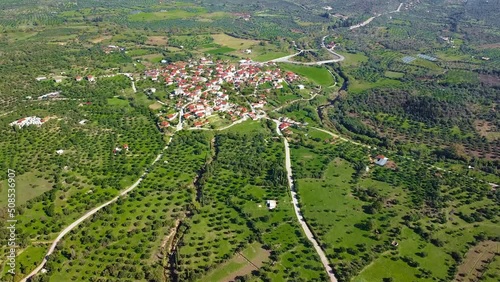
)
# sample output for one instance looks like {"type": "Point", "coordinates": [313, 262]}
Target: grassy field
{"type": "Point", "coordinates": [360, 86]}
{"type": "Point", "coordinates": [458, 77]}
{"type": "Point", "coordinates": [233, 42]}
{"type": "Point", "coordinates": [353, 59]}
{"type": "Point", "coordinates": [318, 75]}
{"type": "Point", "coordinates": [217, 121]}
{"type": "Point", "coordinates": [166, 15]}
{"type": "Point", "coordinates": [221, 50]}
{"type": "Point", "coordinates": [28, 258]}
{"type": "Point", "coordinates": [267, 56]}
{"type": "Point", "coordinates": [28, 186]}
{"type": "Point", "coordinates": [393, 74]}
{"type": "Point", "coordinates": [248, 127]}
{"type": "Point", "coordinates": [118, 102]}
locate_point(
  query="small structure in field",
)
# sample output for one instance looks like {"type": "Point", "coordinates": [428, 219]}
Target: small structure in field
{"type": "Point", "coordinates": [271, 204]}
{"type": "Point", "coordinates": [381, 160]}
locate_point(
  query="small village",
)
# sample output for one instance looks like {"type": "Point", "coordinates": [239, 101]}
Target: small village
{"type": "Point", "coordinates": [201, 89]}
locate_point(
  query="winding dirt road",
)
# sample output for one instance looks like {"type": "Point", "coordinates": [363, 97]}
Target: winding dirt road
{"type": "Point", "coordinates": [89, 214]}
{"type": "Point", "coordinates": [298, 213]}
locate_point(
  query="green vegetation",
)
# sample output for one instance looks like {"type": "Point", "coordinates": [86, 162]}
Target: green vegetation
{"type": "Point", "coordinates": [390, 227]}
{"type": "Point", "coordinates": [318, 75]}
{"type": "Point", "coordinates": [132, 230]}
{"type": "Point", "coordinates": [232, 213]}
{"type": "Point", "coordinates": [202, 206]}
{"type": "Point", "coordinates": [31, 183]}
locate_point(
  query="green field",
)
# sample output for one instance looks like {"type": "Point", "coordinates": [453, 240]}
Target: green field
{"type": "Point", "coordinates": [318, 75]}
{"type": "Point", "coordinates": [167, 15]}
{"type": "Point", "coordinates": [28, 186]}
{"type": "Point", "coordinates": [353, 59]}
{"type": "Point", "coordinates": [233, 42]}
{"type": "Point", "coordinates": [360, 86]}
{"type": "Point", "coordinates": [221, 50]}
{"type": "Point", "coordinates": [339, 201]}
{"type": "Point", "coordinates": [118, 102]}
{"type": "Point", "coordinates": [393, 74]}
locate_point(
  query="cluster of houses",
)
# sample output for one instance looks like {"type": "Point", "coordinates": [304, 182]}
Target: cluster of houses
{"type": "Point", "coordinates": [200, 87]}
{"type": "Point", "coordinates": [285, 124]}
{"type": "Point", "coordinates": [27, 121]}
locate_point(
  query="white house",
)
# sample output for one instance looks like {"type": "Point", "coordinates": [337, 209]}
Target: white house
{"type": "Point", "coordinates": [271, 204]}
{"type": "Point", "coordinates": [60, 152]}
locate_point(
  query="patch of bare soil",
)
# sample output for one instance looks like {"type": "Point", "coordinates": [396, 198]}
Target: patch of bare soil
{"type": "Point", "coordinates": [489, 80]}
{"type": "Point", "coordinates": [251, 265]}
{"type": "Point", "coordinates": [486, 129]}
{"type": "Point", "coordinates": [157, 40]}
{"type": "Point", "coordinates": [489, 46]}
{"type": "Point", "coordinates": [476, 260]}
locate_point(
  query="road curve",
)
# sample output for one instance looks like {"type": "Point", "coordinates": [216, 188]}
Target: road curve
{"type": "Point", "coordinates": [298, 213]}
{"type": "Point", "coordinates": [86, 216]}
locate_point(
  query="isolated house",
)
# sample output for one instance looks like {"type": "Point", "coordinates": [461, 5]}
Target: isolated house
{"type": "Point", "coordinates": [381, 160]}
{"type": "Point", "coordinates": [284, 125]}
{"type": "Point", "coordinates": [271, 204]}
{"type": "Point", "coordinates": [91, 78]}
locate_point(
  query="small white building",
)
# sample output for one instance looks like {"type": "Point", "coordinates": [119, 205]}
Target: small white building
{"type": "Point", "coordinates": [300, 86]}
{"type": "Point", "coordinates": [60, 152]}
{"type": "Point", "coordinates": [271, 204]}
{"type": "Point", "coordinates": [83, 121]}
{"type": "Point", "coordinates": [248, 51]}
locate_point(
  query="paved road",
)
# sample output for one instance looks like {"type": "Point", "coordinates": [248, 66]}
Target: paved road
{"type": "Point", "coordinates": [298, 213]}
{"type": "Point", "coordinates": [286, 59]}
{"type": "Point", "coordinates": [86, 216]}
